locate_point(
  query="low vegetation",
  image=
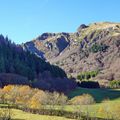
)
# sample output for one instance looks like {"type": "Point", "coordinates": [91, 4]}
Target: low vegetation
{"type": "Point", "coordinates": [27, 97]}
{"type": "Point", "coordinates": [87, 75]}
{"type": "Point", "coordinates": [114, 84]}
{"type": "Point", "coordinates": [98, 94]}
{"type": "Point", "coordinates": [5, 114]}
{"type": "Point", "coordinates": [107, 103]}
{"type": "Point", "coordinates": [80, 104]}
{"type": "Point", "coordinates": [21, 115]}
{"type": "Point", "coordinates": [84, 99]}
{"type": "Point", "coordinates": [84, 79]}
{"type": "Point", "coordinates": [98, 48]}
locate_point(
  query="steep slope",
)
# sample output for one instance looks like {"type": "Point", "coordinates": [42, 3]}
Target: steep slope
{"type": "Point", "coordinates": [48, 45]}
{"type": "Point", "coordinates": [95, 47]}
{"type": "Point", "coordinates": [21, 67]}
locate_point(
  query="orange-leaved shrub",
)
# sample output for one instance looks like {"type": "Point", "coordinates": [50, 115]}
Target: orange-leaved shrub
{"type": "Point", "coordinates": [28, 97]}
{"type": "Point", "coordinates": [84, 99]}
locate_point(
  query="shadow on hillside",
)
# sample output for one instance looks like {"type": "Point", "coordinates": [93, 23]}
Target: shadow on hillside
{"type": "Point", "coordinates": [98, 94]}
{"type": "Point", "coordinates": [110, 94]}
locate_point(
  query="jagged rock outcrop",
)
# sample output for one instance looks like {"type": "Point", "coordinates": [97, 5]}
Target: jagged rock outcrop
{"type": "Point", "coordinates": [48, 45]}
{"type": "Point", "coordinates": [83, 26]}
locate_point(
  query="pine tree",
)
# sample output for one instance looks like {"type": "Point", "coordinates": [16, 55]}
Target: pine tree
{"type": "Point", "coordinates": [2, 64]}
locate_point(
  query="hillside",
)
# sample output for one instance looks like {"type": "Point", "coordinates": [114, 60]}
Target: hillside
{"type": "Point", "coordinates": [94, 47]}
{"type": "Point", "coordinates": [18, 66]}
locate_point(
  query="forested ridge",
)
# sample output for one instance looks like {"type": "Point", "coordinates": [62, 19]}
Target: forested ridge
{"type": "Point", "coordinates": [13, 59]}
{"type": "Point", "coordinates": [21, 67]}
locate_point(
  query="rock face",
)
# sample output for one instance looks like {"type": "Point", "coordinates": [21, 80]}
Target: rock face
{"type": "Point", "coordinates": [48, 45]}
{"type": "Point", "coordinates": [93, 47]}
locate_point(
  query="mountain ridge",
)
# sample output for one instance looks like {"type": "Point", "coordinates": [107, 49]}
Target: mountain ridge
{"type": "Point", "coordinates": [75, 52]}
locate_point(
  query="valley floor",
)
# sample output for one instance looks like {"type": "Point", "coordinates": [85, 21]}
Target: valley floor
{"type": "Point", "coordinates": [107, 102]}
{"type": "Point", "coordinates": [107, 106]}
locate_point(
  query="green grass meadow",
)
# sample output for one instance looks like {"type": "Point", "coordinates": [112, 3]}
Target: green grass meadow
{"type": "Point", "coordinates": [106, 99]}
{"type": "Point", "coordinates": [98, 94]}
{"type": "Point", "coordinates": [20, 115]}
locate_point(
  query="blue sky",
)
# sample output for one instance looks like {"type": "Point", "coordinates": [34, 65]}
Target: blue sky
{"type": "Point", "coordinates": [23, 20]}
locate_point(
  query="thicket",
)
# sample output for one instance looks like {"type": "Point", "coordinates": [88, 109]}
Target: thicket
{"type": "Point", "coordinates": [84, 99]}
{"type": "Point", "coordinates": [114, 84]}
{"type": "Point", "coordinates": [28, 97]}
{"type": "Point", "coordinates": [87, 75]}
{"type": "Point", "coordinates": [98, 48]}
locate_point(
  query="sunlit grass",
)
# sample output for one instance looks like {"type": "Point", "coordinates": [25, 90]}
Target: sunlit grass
{"type": "Point", "coordinates": [20, 115]}
{"type": "Point", "coordinates": [107, 100]}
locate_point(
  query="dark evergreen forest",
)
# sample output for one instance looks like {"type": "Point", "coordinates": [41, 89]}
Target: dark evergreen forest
{"type": "Point", "coordinates": [13, 59]}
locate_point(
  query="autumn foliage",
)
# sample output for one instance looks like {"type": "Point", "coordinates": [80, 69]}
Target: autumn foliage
{"type": "Point", "coordinates": [84, 99]}
{"type": "Point", "coordinates": [28, 97]}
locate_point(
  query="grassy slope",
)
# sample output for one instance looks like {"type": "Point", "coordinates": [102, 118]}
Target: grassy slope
{"type": "Point", "coordinates": [20, 115]}
{"type": "Point", "coordinates": [98, 94]}
{"type": "Point", "coordinates": [97, 29]}
{"type": "Point", "coordinates": [99, 109]}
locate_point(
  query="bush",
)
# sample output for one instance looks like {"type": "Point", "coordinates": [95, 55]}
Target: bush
{"type": "Point", "coordinates": [87, 75]}
{"type": "Point", "coordinates": [5, 114]}
{"type": "Point", "coordinates": [84, 99]}
{"type": "Point", "coordinates": [30, 98]}
{"type": "Point", "coordinates": [98, 48]}
{"type": "Point", "coordinates": [89, 84]}
{"type": "Point", "coordinates": [55, 98]}
{"type": "Point", "coordinates": [115, 84]}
